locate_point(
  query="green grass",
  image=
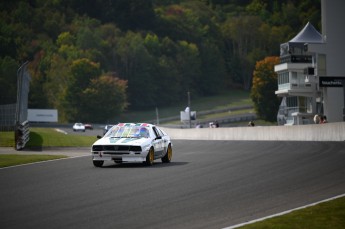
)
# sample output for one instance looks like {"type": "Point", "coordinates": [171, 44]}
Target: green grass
{"type": "Point", "coordinates": [16, 159]}
{"type": "Point", "coordinates": [41, 137]}
{"type": "Point", "coordinates": [227, 99]}
{"type": "Point", "coordinates": [7, 139]}
{"type": "Point", "coordinates": [48, 137]}
{"type": "Point", "coordinates": [327, 215]}
{"type": "Point", "coordinates": [225, 114]}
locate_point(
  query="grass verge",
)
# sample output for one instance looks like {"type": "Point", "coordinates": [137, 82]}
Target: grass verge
{"type": "Point", "coordinates": [327, 215]}
{"type": "Point", "coordinates": [7, 139]}
{"type": "Point", "coordinates": [41, 137]}
{"type": "Point", "coordinates": [7, 160]}
{"type": "Point", "coordinates": [48, 137]}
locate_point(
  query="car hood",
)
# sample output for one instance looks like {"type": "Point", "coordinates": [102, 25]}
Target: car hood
{"type": "Point", "coordinates": [122, 141]}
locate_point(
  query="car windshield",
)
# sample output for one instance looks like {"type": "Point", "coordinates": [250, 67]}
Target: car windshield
{"type": "Point", "coordinates": [130, 131]}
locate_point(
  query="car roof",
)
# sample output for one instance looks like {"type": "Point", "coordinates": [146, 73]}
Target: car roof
{"type": "Point", "coordinates": [135, 124]}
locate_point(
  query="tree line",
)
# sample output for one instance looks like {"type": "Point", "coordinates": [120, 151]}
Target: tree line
{"type": "Point", "coordinates": [95, 59]}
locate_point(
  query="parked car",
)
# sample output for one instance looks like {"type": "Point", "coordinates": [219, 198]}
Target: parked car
{"type": "Point", "coordinates": [78, 127]}
{"type": "Point", "coordinates": [132, 142]}
{"type": "Point", "coordinates": [88, 126]}
{"type": "Point", "coordinates": [106, 128]}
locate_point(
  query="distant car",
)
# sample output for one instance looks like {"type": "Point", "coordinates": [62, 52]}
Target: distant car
{"type": "Point", "coordinates": [132, 142]}
{"type": "Point", "coordinates": [79, 127]}
{"type": "Point", "coordinates": [106, 128]}
{"type": "Point", "coordinates": [88, 126]}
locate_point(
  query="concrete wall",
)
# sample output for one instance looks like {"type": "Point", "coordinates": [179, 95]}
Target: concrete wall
{"type": "Point", "coordinates": [320, 132]}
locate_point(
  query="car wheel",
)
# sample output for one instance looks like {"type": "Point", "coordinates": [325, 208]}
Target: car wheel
{"type": "Point", "coordinates": [150, 157]}
{"type": "Point", "coordinates": [98, 163]}
{"type": "Point", "coordinates": [168, 155]}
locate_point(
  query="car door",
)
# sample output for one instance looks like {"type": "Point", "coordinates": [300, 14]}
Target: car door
{"type": "Point", "coordinates": [165, 140]}
{"type": "Point", "coordinates": [158, 143]}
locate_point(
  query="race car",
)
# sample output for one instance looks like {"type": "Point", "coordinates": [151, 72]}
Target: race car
{"type": "Point", "coordinates": [132, 142]}
{"type": "Point", "coordinates": [78, 127]}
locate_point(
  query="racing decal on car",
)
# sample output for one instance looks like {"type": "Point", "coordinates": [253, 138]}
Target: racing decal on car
{"type": "Point", "coordinates": [114, 140]}
{"type": "Point", "coordinates": [126, 140]}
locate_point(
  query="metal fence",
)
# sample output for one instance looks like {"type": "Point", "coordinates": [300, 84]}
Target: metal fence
{"type": "Point", "coordinates": [7, 117]}
{"type": "Point", "coordinates": [13, 117]}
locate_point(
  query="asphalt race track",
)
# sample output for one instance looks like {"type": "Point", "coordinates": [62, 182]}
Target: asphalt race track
{"type": "Point", "coordinates": [209, 184]}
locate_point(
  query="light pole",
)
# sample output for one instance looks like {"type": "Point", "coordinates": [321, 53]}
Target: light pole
{"type": "Point", "coordinates": [189, 112]}
{"type": "Point", "coordinates": [157, 116]}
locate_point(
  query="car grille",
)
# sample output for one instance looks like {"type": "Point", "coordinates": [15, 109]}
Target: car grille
{"type": "Point", "coordinates": [115, 148]}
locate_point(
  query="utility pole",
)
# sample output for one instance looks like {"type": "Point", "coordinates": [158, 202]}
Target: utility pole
{"type": "Point", "coordinates": [190, 119]}
{"type": "Point", "coordinates": [157, 116]}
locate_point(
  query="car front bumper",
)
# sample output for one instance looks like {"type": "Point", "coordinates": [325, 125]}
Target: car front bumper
{"type": "Point", "coordinates": [119, 156]}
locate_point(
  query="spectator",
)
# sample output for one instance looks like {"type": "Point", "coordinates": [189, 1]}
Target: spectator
{"type": "Point", "coordinates": [323, 119]}
{"type": "Point", "coordinates": [251, 123]}
{"type": "Point", "coordinates": [199, 125]}
{"type": "Point", "coordinates": [317, 119]}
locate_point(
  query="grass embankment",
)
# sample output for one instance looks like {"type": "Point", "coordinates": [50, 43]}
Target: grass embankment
{"type": "Point", "coordinates": [225, 100]}
{"type": "Point", "coordinates": [48, 137]}
{"type": "Point", "coordinates": [41, 137]}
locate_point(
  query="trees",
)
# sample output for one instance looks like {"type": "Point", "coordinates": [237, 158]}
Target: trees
{"type": "Point", "coordinates": [82, 72]}
{"type": "Point", "coordinates": [204, 46]}
{"type": "Point", "coordinates": [8, 80]}
{"type": "Point", "coordinates": [266, 103]}
{"type": "Point", "coordinates": [103, 99]}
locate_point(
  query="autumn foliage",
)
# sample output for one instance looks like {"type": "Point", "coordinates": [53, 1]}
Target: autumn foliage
{"type": "Point", "coordinates": [266, 103]}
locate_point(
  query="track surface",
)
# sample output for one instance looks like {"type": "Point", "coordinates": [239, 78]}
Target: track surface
{"type": "Point", "coordinates": [209, 184]}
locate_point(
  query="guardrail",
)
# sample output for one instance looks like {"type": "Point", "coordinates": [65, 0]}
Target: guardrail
{"type": "Point", "coordinates": [22, 135]}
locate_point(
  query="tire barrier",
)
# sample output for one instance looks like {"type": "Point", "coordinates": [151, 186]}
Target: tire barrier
{"type": "Point", "coordinates": [22, 135]}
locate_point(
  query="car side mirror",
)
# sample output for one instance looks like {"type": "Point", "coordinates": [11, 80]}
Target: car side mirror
{"type": "Point", "coordinates": [159, 137]}
{"type": "Point", "coordinates": [99, 137]}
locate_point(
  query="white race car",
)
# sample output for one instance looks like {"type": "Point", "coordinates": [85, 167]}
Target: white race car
{"type": "Point", "coordinates": [132, 142]}
{"type": "Point", "coordinates": [78, 127]}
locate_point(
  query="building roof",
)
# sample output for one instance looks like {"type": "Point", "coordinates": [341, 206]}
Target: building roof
{"type": "Point", "coordinates": [307, 35]}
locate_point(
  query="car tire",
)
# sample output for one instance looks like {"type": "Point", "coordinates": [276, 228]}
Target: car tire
{"type": "Point", "coordinates": [98, 163]}
{"type": "Point", "coordinates": [168, 155]}
{"type": "Point", "coordinates": [150, 157]}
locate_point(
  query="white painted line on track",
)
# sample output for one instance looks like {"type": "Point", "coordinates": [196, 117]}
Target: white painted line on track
{"type": "Point", "coordinates": [40, 162]}
{"type": "Point", "coordinates": [61, 131]}
{"type": "Point", "coordinates": [284, 212]}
